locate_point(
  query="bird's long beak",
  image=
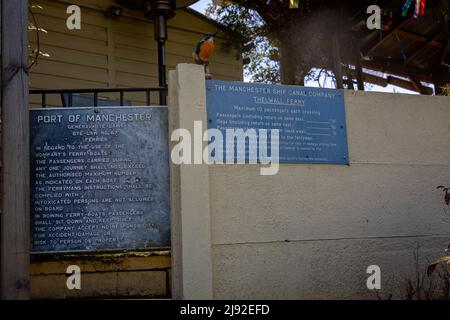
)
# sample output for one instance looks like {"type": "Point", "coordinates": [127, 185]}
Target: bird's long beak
{"type": "Point", "coordinates": [214, 34]}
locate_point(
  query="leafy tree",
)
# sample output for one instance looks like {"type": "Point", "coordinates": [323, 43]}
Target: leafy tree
{"type": "Point", "coordinates": [261, 51]}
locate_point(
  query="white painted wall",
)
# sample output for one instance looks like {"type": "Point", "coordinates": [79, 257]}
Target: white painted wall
{"type": "Point", "coordinates": [312, 230]}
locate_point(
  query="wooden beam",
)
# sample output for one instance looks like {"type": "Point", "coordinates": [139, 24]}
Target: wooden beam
{"type": "Point", "coordinates": [391, 67]}
{"type": "Point", "coordinates": [422, 49]}
{"type": "Point", "coordinates": [406, 85]}
{"type": "Point", "coordinates": [384, 82]}
{"type": "Point", "coordinates": [417, 85]}
{"type": "Point", "coordinates": [387, 37]}
{"type": "Point", "coordinates": [420, 38]}
{"type": "Point", "coordinates": [14, 221]}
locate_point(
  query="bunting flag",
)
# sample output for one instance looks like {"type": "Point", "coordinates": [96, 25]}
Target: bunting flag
{"type": "Point", "coordinates": [422, 8]}
{"type": "Point", "coordinates": [417, 9]}
{"type": "Point", "coordinates": [406, 7]}
{"type": "Point", "coordinates": [293, 4]}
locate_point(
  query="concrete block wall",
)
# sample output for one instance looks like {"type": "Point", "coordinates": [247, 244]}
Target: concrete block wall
{"type": "Point", "coordinates": [311, 231]}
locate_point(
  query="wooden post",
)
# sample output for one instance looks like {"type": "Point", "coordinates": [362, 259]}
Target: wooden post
{"type": "Point", "coordinates": [14, 222]}
{"type": "Point", "coordinates": [359, 78]}
{"type": "Point", "coordinates": [441, 77]}
{"type": "Point", "coordinates": [337, 61]}
{"type": "Point", "coordinates": [359, 72]}
{"type": "Point", "coordinates": [447, 31]}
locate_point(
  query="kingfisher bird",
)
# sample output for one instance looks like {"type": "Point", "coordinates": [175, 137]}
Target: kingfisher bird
{"type": "Point", "coordinates": [203, 51]}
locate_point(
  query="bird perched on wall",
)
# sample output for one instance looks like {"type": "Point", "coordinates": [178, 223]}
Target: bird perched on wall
{"type": "Point", "coordinates": [203, 51]}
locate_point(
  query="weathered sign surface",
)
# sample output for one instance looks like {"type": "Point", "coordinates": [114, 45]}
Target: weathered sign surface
{"type": "Point", "coordinates": [99, 179]}
{"type": "Point", "coordinates": [311, 120]}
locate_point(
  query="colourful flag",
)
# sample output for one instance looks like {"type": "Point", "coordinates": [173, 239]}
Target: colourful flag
{"type": "Point", "coordinates": [293, 4]}
{"type": "Point", "coordinates": [422, 7]}
{"type": "Point", "coordinates": [406, 7]}
{"type": "Point", "coordinates": [417, 9]}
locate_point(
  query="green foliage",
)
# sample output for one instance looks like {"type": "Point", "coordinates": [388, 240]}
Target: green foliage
{"type": "Point", "coordinates": [446, 90]}
{"type": "Point", "coordinates": [250, 39]}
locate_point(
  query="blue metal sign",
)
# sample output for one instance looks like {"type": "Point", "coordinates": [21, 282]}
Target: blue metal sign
{"type": "Point", "coordinates": [311, 121]}
{"type": "Point", "coordinates": [99, 179]}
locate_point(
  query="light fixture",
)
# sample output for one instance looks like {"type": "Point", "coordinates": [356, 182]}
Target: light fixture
{"type": "Point", "coordinates": [159, 11]}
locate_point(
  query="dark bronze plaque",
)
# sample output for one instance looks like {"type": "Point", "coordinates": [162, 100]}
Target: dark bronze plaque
{"type": "Point", "coordinates": [99, 179]}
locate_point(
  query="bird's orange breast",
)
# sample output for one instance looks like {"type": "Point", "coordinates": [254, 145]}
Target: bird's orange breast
{"type": "Point", "coordinates": [206, 50]}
